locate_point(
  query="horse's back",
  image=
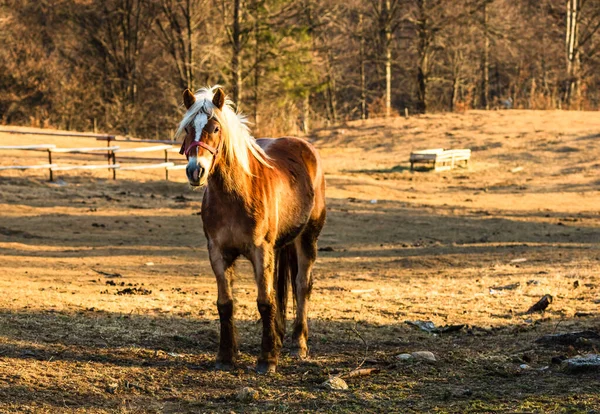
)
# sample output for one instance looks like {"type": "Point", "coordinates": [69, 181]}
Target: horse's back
{"type": "Point", "coordinates": [294, 155]}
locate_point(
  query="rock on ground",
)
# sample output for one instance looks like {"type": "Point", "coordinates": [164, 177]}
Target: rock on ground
{"type": "Point", "coordinates": [247, 394]}
{"type": "Point", "coordinates": [424, 356]}
{"type": "Point", "coordinates": [335, 383]}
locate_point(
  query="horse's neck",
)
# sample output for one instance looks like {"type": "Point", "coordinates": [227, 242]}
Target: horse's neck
{"type": "Point", "coordinates": [231, 181]}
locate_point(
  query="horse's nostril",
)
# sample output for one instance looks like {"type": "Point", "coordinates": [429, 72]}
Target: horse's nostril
{"type": "Point", "coordinates": [192, 173]}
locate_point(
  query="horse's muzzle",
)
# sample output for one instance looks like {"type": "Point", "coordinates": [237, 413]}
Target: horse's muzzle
{"type": "Point", "coordinates": [194, 174]}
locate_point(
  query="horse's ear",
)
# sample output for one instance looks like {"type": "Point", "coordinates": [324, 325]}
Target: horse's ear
{"type": "Point", "coordinates": [188, 99]}
{"type": "Point", "coordinates": [219, 98]}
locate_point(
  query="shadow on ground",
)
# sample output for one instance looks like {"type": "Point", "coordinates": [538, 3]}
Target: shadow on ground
{"type": "Point", "coordinates": [164, 364]}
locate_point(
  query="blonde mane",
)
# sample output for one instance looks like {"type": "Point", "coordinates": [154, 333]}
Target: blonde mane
{"type": "Point", "coordinates": [238, 142]}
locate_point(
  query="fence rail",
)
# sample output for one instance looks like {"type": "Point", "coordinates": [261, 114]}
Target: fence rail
{"type": "Point", "coordinates": [147, 166]}
{"type": "Point", "coordinates": [125, 139]}
{"type": "Point", "coordinates": [80, 150]}
{"type": "Point", "coordinates": [110, 152]}
{"type": "Point", "coordinates": [177, 167]}
{"type": "Point", "coordinates": [84, 167]}
{"type": "Point", "coordinates": [28, 147]}
{"type": "Point", "coordinates": [144, 149]}
{"type": "Point", "coordinates": [27, 167]}
{"type": "Point", "coordinates": [60, 134]}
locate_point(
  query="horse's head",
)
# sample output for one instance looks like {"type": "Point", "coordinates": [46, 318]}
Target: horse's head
{"type": "Point", "coordinates": [203, 138]}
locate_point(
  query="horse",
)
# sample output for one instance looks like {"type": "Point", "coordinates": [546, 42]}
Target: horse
{"type": "Point", "coordinates": [264, 200]}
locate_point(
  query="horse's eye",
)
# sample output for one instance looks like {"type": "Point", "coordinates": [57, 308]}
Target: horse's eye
{"type": "Point", "coordinates": [216, 130]}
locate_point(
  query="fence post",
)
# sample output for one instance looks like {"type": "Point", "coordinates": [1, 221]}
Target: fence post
{"type": "Point", "coordinates": [166, 166]}
{"type": "Point", "coordinates": [108, 152]}
{"type": "Point", "coordinates": [50, 162]}
{"type": "Point", "coordinates": [111, 157]}
{"type": "Point", "coordinates": [114, 161]}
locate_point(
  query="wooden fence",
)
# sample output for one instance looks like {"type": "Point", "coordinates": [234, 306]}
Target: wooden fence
{"type": "Point", "coordinates": [110, 151]}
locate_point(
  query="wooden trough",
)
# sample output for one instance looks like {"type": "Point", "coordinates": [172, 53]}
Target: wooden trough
{"type": "Point", "coordinates": [439, 159]}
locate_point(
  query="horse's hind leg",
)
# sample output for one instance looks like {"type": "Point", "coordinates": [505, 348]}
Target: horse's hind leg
{"type": "Point", "coordinates": [222, 264]}
{"type": "Point", "coordinates": [306, 249]}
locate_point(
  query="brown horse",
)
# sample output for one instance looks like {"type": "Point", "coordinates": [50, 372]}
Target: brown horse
{"type": "Point", "coordinates": [264, 200]}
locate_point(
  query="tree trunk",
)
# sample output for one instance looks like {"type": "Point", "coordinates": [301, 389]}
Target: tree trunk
{"type": "Point", "coordinates": [331, 90]}
{"type": "Point", "coordinates": [388, 81]}
{"type": "Point", "coordinates": [532, 93]}
{"type": "Point", "coordinates": [422, 59]}
{"type": "Point", "coordinates": [386, 40]}
{"type": "Point", "coordinates": [572, 51]}
{"type": "Point", "coordinates": [363, 87]}
{"type": "Point", "coordinates": [306, 113]}
{"type": "Point", "coordinates": [422, 84]}
{"type": "Point", "coordinates": [190, 45]}
{"type": "Point", "coordinates": [545, 86]}
{"type": "Point", "coordinates": [256, 71]}
{"type": "Point", "coordinates": [236, 59]}
{"type": "Point", "coordinates": [485, 61]}
{"type": "Point", "coordinates": [454, 93]}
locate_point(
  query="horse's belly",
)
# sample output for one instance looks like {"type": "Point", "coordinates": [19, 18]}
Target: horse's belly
{"type": "Point", "coordinates": [288, 235]}
{"type": "Point", "coordinates": [292, 220]}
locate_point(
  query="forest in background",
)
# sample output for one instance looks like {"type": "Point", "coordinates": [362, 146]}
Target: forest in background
{"type": "Point", "coordinates": [121, 65]}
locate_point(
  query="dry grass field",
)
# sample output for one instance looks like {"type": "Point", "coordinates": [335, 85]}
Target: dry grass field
{"type": "Point", "coordinates": [398, 246]}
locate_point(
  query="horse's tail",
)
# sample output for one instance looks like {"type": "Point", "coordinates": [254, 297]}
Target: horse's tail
{"type": "Point", "coordinates": [286, 269]}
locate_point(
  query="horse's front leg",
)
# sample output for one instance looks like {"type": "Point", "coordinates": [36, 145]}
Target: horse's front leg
{"type": "Point", "coordinates": [222, 265]}
{"type": "Point", "coordinates": [263, 260]}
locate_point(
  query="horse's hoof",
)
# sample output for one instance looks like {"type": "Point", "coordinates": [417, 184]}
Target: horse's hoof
{"type": "Point", "coordinates": [223, 366]}
{"type": "Point", "coordinates": [299, 353]}
{"type": "Point", "coordinates": [265, 367]}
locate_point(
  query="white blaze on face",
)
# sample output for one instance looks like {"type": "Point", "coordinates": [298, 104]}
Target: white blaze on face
{"type": "Point", "coordinates": [204, 161]}
{"type": "Point", "coordinates": [199, 123]}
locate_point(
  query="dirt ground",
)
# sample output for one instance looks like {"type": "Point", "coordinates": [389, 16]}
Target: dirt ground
{"type": "Point", "coordinates": [398, 246]}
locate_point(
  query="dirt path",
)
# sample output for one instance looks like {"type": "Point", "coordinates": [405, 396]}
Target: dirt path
{"type": "Point", "coordinates": [397, 246]}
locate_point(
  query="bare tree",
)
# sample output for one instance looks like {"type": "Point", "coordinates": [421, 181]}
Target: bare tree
{"type": "Point", "coordinates": [431, 19]}
{"type": "Point", "coordinates": [179, 27]}
{"type": "Point", "coordinates": [459, 52]}
{"type": "Point", "coordinates": [485, 58]}
{"type": "Point", "coordinates": [363, 59]}
{"type": "Point", "coordinates": [115, 33]}
{"type": "Point", "coordinates": [236, 52]}
{"type": "Point", "coordinates": [296, 65]}
{"type": "Point", "coordinates": [582, 24]}
{"type": "Point", "coordinates": [387, 15]}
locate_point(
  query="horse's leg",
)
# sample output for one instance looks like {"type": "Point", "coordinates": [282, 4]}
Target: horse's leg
{"type": "Point", "coordinates": [222, 265]}
{"type": "Point", "coordinates": [306, 249]}
{"type": "Point", "coordinates": [264, 264]}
